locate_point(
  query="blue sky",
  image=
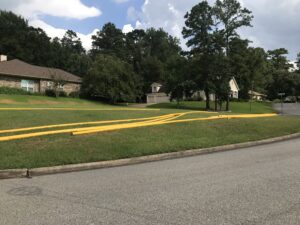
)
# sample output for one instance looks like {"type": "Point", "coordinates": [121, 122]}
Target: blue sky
{"type": "Point", "coordinates": [275, 22]}
{"type": "Point", "coordinates": [111, 12]}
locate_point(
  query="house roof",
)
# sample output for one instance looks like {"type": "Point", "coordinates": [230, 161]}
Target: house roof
{"type": "Point", "coordinates": [156, 84]}
{"type": "Point", "coordinates": [235, 82]}
{"type": "Point", "coordinates": [21, 69]}
{"type": "Point", "coordinates": [256, 93]}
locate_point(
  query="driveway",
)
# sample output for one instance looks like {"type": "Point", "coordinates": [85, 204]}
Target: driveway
{"type": "Point", "coordinates": [288, 108]}
{"type": "Point", "coordinates": [259, 185]}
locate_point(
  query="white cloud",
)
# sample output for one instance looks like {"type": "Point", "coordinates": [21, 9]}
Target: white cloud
{"type": "Point", "coordinates": [33, 10]}
{"type": "Point", "coordinates": [58, 32]}
{"type": "Point", "coordinates": [275, 21]}
{"type": "Point", "coordinates": [168, 14]}
{"type": "Point", "coordinates": [127, 28]}
{"type": "Point", "coordinates": [73, 9]}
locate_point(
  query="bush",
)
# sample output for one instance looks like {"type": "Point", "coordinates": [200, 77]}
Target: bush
{"type": "Point", "coordinates": [74, 94]}
{"type": "Point", "coordinates": [51, 93]}
{"type": "Point", "coordinates": [15, 91]}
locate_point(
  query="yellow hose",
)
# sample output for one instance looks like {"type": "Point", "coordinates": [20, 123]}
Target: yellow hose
{"type": "Point", "coordinates": [78, 109]}
{"type": "Point", "coordinates": [44, 133]}
{"type": "Point", "coordinates": [145, 124]}
{"type": "Point", "coordinates": [151, 121]}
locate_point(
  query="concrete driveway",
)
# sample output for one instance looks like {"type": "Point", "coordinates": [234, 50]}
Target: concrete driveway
{"type": "Point", "coordinates": [288, 108]}
{"type": "Point", "coordinates": [259, 185]}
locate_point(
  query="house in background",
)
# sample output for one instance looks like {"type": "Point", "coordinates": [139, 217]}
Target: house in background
{"type": "Point", "coordinates": [18, 74]}
{"type": "Point", "coordinates": [257, 96]}
{"type": "Point", "coordinates": [157, 94]}
{"type": "Point", "coordinates": [234, 91]}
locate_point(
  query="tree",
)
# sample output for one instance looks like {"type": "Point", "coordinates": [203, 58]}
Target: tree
{"type": "Point", "coordinates": [179, 84]}
{"type": "Point", "coordinates": [230, 17]}
{"type": "Point", "coordinates": [112, 80]}
{"type": "Point", "coordinates": [278, 59]}
{"type": "Point", "coordinates": [72, 43]}
{"type": "Point", "coordinates": [298, 62]}
{"type": "Point", "coordinates": [282, 80]}
{"type": "Point", "coordinates": [110, 41]}
{"type": "Point", "coordinates": [199, 26]}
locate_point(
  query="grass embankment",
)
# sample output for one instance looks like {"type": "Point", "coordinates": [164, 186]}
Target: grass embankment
{"type": "Point", "coordinates": [67, 149]}
{"type": "Point", "coordinates": [235, 107]}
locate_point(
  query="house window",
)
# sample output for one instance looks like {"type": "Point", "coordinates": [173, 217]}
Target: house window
{"type": "Point", "coordinates": [61, 87]}
{"type": "Point", "coordinates": [27, 85]}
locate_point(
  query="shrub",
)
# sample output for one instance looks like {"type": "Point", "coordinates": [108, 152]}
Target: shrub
{"type": "Point", "coordinates": [51, 93]}
{"type": "Point", "coordinates": [15, 91]}
{"type": "Point", "coordinates": [74, 94]}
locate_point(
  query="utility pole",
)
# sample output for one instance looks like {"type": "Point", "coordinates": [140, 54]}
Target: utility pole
{"type": "Point", "coordinates": [281, 96]}
{"type": "Point", "coordinates": [251, 96]}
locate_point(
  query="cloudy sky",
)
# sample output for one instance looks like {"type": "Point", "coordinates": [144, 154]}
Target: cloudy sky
{"type": "Point", "coordinates": [275, 24]}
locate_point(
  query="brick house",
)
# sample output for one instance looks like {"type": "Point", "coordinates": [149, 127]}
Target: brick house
{"type": "Point", "coordinates": [18, 74]}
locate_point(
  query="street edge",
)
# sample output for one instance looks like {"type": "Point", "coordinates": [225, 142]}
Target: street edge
{"type": "Point", "coordinates": [22, 173]}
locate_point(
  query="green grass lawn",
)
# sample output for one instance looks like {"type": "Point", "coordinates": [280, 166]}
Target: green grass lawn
{"type": "Point", "coordinates": [44, 101]}
{"type": "Point", "coordinates": [67, 149]}
{"type": "Point", "coordinates": [235, 107]}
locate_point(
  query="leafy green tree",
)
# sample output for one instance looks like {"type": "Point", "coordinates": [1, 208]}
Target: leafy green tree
{"type": "Point", "coordinates": [199, 26]}
{"type": "Point", "coordinates": [160, 44]}
{"type": "Point", "coordinates": [230, 17]}
{"type": "Point", "coordinates": [179, 84]}
{"type": "Point", "coordinates": [278, 59]}
{"type": "Point", "coordinates": [72, 43]}
{"type": "Point", "coordinates": [298, 62]}
{"type": "Point", "coordinates": [112, 80]}
{"type": "Point", "coordinates": [149, 51]}
{"type": "Point", "coordinates": [282, 80]}
{"type": "Point", "coordinates": [110, 41]}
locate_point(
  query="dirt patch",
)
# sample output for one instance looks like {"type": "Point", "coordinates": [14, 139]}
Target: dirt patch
{"type": "Point", "coordinates": [8, 101]}
{"type": "Point", "coordinates": [44, 102]}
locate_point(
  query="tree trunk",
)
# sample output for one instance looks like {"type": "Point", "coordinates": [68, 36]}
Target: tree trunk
{"type": "Point", "coordinates": [207, 99]}
{"type": "Point", "coordinates": [227, 103]}
{"type": "Point", "coordinates": [216, 103]}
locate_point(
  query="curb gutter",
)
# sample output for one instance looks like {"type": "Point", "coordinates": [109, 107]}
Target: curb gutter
{"type": "Point", "coordinates": [14, 173]}
{"type": "Point", "coordinates": [21, 173]}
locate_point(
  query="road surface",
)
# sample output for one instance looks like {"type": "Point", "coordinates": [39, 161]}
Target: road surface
{"type": "Point", "coordinates": [288, 108]}
{"type": "Point", "coordinates": [259, 185]}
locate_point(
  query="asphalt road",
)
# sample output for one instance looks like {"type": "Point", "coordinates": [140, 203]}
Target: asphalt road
{"type": "Point", "coordinates": [288, 108]}
{"type": "Point", "coordinates": [258, 185]}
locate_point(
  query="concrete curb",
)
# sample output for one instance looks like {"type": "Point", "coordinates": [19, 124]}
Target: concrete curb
{"type": "Point", "coordinates": [14, 173]}
{"type": "Point", "coordinates": [131, 161]}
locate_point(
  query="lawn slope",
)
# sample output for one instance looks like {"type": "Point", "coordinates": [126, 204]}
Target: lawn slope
{"type": "Point", "coordinates": [66, 149]}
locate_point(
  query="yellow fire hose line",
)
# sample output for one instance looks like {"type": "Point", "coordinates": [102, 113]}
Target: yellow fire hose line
{"type": "Point", "coordinates": [163, 120]}
{"type": "Point", "coordinates": [85, 123]}
{"type": "Point", "coordinates": [134, 125]}
{"type": "Point", "coordinates": [44, 133]}
{"type": "Point", "coordinates": [76, 124]}
{"type": "Point", "coordinates": [128, 125]}
{"type": "Point", "coordinates": [76, 109]}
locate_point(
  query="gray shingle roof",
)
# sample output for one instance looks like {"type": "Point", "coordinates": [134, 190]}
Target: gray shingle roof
{"type": "Point", "coordinates": [21, 69]}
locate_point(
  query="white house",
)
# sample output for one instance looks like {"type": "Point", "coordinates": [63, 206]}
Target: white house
{"type": "Point", "coordinates": [157, 94]}
{"type": "Point", "coordinates": [234, 91]}
{"type": "Point", "coordinates": [234, 88]}
{"type": "Point", "coordinates": [257, 96]}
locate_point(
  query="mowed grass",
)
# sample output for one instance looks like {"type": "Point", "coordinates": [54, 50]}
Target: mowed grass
{"type": "Point", "coordinates": [33, 101]}
{"type": "Point", "coordinates": [66, 149]}
{"type": "Point", "coordinates": [235, 107]}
